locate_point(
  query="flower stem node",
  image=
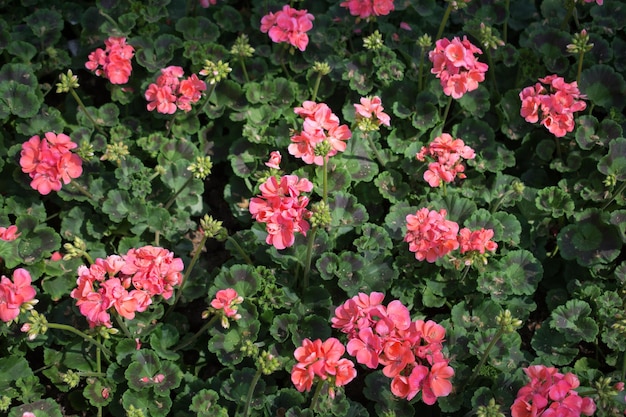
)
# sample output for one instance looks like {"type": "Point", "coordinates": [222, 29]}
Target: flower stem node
{"type": "Point", "coordinates": [320, 216]}
{"type": "Point", "coordinates": [374, 42]}
{"type": "Point", "coordinates": [68, 82]}
{"type": "Point", "coordinates": [507, 322]}
{"type": "Point", "coordinates": [213, 228]}
{"type": "Point", "coordinates": [202, 167]}
{"type": "Point", "coordinates": [492, 409]}
{"type": "Point", "coordinates": [215, 72]}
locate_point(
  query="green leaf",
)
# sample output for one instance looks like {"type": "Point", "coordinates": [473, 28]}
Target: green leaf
{"type": "Point", "coordinates": [243, 278]}
{"type": "Point", "coordinates": [46, 24]}
{"type": "Point", "coordinates": [229, 19]}
{"type": "Point", "coordinates": [475, 103]}
{"type": "Point", "coordinates": [236, 388]}
{"type": "Point", "coordinates": [280, 326]}
{"type": "Point", "coordinates": [374, 242]}
{"type": "Point", "coordinates": [614, 163]}
{"type": "Point", "coordinates": [552, 347]}
{"type": "Point", "coordinates": [198, 29]}
{"type": "Point", "coordinates": [392, 186]}
{"type": "Point", "coordinates": [117, 205]}
{"type": "Point", "coordinates": [205, 404]}
{"type": "Point", "coordinates": [573, 321]}
{"type": "Point", "coordinates": [13, 368]}
{"type": "Point", "coordinates": [144, 366]}
{"type": "Point", "coordinates": [603, 86]}
{"type": "Point", "coordinates": [522, 270]}
{"type": "Point", "coordinates": [148, 402]}
{"type": "Point", "coordinates": [591, 240]}
{"type": "Point", "coordinates": [162, 339]}
{"type": "Point", "coordinates": [555, 201]}
{"type": "Point", "coordinates": [42, 408]}
{"type": "Point", "coordinates": [346, 213]}
{"type": "Point", "coordinates": [349, 279]}
{"type": "Point", "coordinates": [93, 392]}
{"type": "Point", "coordinates": [19, 100]}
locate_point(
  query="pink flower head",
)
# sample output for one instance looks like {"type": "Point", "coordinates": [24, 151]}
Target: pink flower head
{"type": "Point", "coordinates": [227, 301]}
{"type": "Point", "coordinates": [282, 207]}
{"type": "Point", "coordinates": [456, 66]}
{"type": "Point", "coordinates": [9, 233]}
{"type": "Point", "coordinates": [366, 9]}
{"type": "Point", "coordinates": [371, 110]}
{"type": "Point", "coordinates": [323, 360]}
{"type": "Point", "coordinates": [49, 162]}
{"type": "Point", "coordinates": [171, 92]}
{"type": "Point", "coordinates": [274, 161]}
{"type": "Point", "coordinates": [206, 3]}
{"type": "Point", "coordinates": [552, 102]}
{"type": "Point", "coordinates": [114, 62]}
{"type": "Point", "coordinates": [598, 2]}
{"type": "Point", "coordinates": [430, 235]}
{"type": "Point", "coordinates": [321, 127]}
{"type": "Point", "coordinates": [449, 154]}
{"type": "Point", "coordinates": [16, 294]}
{"type": "Point", "coordinates": [288, 25]}
{"type": "Point", "coordinates": [478, 241]}
{"type": "Point", "coordinates": [549, 393]}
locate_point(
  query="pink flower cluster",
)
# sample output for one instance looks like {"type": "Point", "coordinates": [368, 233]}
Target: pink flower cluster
{"type": "Point", "coordinates": [226, 302]}
{"type": "Point", "coordinates": [49, 161]}
{"type": "Point", "coordinates": [206, 3]}
{"type": "Point", "coordinates": [411, 352]}
{"type": "Point", "coordinates": [598, 2]}
{"type": "Point", "coordinates": [114, 62]}
{"type": "Point", "coordinates": [127, 283]}
{"type": "Point", "coordinates": [288, 25]}
{"type": "Point", "coordinates": [16, 294]}
{"type": "Point", "coordinates": [431, 236]}
{"type": "Point", "coordinates": [364, 9]}
{"type": "Point", "coordinates": [9, 233]}
{"type": "Point", "coordinates": [550, 394]}
{"type": "Point", "coordinates": [371, 109]}
{"type": "Point", "coordinates": [555, 104]}
{"type": "Point", "coordinates": [456, 66]}
{"type": "Point", "coordinates": [282, 207]}
{"type": "Point", "coordinates": [449, 154]}
{"type": "Point", "coordinates": [171, 92]}
{"type": "Point", "coordinates": [324, 360]}
{"type": "Point", "coordinates": [320, 126]}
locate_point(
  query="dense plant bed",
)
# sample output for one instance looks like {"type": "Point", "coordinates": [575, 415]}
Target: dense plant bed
{"type": "Point", "coordinates": [333, 208]}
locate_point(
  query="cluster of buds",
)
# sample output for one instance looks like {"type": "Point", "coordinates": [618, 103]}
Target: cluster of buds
{"type": "Point", "coordinates": [373, 42]}
{"type": "Point", "coordinates": [68, 82]}
{"type": "Point", "coordinates": [215, 71]}
{"type": "Point", "coordinates": [241, 47]}
{"type": "Point", "coordinates": [201, 168]}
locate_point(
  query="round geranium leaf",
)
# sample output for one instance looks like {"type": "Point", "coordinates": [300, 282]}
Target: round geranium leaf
{"type": "Point", "coordinates": [19, 99]}
{"type": "Point", "coordinates": [20, 73]}
{"type": "Point", "coordinates": [552, 347]}
{"type": "Point", "coordinates": [603, 86]}
{"type": "Point", "coordinates": [237, 386]}
{"type": "Point", "coordinates": [144, 366]}
{"type": "Point", "coordinates": [41, 408]}
{"type": "Point", "coordinates": [243, 278]}
{"type": "Point", "coordinates": [476, 103]}
{"type": "Point", "coordinates": [205, 404]}
{"type": "Point", "coordinates": [572, 320]}
{"type": "Point", "coordinates": [99, 394]}
{"type": "Point", "coordinates": [346, 213]}
{"type": "Point", "coordinates": [590, 240]}
{"type": "Point", "coordinates": [391, 185]}
{"type": "Point", "coordinates": [198, 29]}
{"type": "Point", "coordinates": [555, 201]}
{"type": "Point", "coordinates": [614, 163]}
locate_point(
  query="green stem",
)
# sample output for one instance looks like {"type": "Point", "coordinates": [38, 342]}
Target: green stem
{"type": "Point", "coordinates": [444, 187]}
{"type": "Point", "coordinates": [99, 370]}
{"type": "Point", "coordinates": [83, 191]}
{"type": "Point", "coordinates": [580, 66]}
{"type": "Point", "coordinates": [493, 342]}
{"type": "Point", "coordinates": [444, 20]}
{"type": "Point", "coordinates": [492, 74]}
{"type": "Point", "coordinates": [316, 87]}
{"type": "Point", "coordinates": [325, 180]}
{"type": "Point", "coordinates": [498, 203]}
{"type": "Point", "coordinates": [316, 395]}
{"type": "Point", "coordinates": [208, 97]}
{"type": "Point", "coordinates": [309, 256]}
{"type": "Point", "coordinates": [373, 146]}
{"type": "Point", "coordinates": [198, 333]}
{"type": "Point", "coordinates": [506, 20]}
{"type": "Point", "coordinates": [255, 379]}
{"type": "Point", "coordinates": [245, 71]}
{"type": "Point", "coordinates": [179, 293]}
{"type": "Point", "coordinates": [420, 73]}
{"type": "Point", "coordinates": [559, 154]}
{"type": "Point", "coordinates": [77, 332]}
{"type": "Point", "coordinates": [180, 190]}
{"type": "Point", "coordinates": [618, 192]}
{"type": "Point", "coordinates": [445, 112]}
{"type": "Point", "coordinates": [81, 105]}
{"type": "Point", "coordinates": [568, 15]}
{"type": "Point", "coordinates": [242, 252]}
{"type": "Point", "coordinates": [623, 366]}
{"type": "Point", "coordinates": [120, 323]}
{"type": "Point", "coordinates": [88, 258]}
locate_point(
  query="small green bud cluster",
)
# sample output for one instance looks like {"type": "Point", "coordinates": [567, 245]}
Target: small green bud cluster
{"type": "Point", "coordinates": [580, 44]}
{"type": "Point", "coordinates": [242, 47]}
{"type": "Point", "coordinates": [215, 72]}
{"type": "Point", "coordinates": [249, 348]}
{"type": "Point", "coordinates": [425, 41]}
{"type": "Point", "coordinates": [320, 215]}
{"type": "Point", "coordinates": [5, 402]}
{"type": "Point", "coordinates": [321, 67]}
{"type": "Point", "coordinates": [71, 378]}
{"type": "Point", "coordinates": [269, 363]}
{"type": "Point", "coordinates": [507, 322]}
{"type": "Point", "coordinates": [322, 148]}
{"type": "Point", "coordinates": [115, 152]}
{"type": "Point", "coordinates": [68, 82]}
{"type": "Point", "coordinates": [74, 250]}
{"type": "Point", "coordinates": [213, 228]}
{"type": "Point", "coordinates": [85, 150]}
{"type": "Point", "coordinates": [492, 409]}
{"type": "Point", "coordinates": [489, 39]}
{"type": "Point", "coordinates": [105, 332]}
{"type": "Point", "coordinates": [374, 42]}
{"type": "Point", "coordinates": [201, 168]}
{"type": "Point", "coordinates": [37, 324]}
{"type": "Point", "coordinates": [610, 180]}
{"type": "Point", "coordinates": [134, 412]}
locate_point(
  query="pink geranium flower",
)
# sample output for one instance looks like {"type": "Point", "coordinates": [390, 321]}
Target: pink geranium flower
{"type": "Point", "coordinates": [171, 92]}
{"type": "Point", "coordinates": [288, 25]}
{"type": "Point", "coordinates": [366, 9]}
{"type": "Point", "coordinates": [430, 235]}
{"type": "Point", "coordinates": [112, 63]}
{"type": "Point", "coordinates": [9, 233]}
{"type": "Point", "coordinates": [16, 294]}
{"type": "Point", "coordinates": [49, 162]}
{"type": "Point", "coordinates": [448, 154]}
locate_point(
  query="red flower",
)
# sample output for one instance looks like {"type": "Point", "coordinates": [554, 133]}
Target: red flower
{"type": "Point", "coordinates": [288, 25]}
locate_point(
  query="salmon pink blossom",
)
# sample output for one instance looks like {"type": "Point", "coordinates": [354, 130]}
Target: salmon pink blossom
{"type": "Point", "coordinates": [448, 154]}
{"type": "Point", "coordinates": [430, 235]}
{"type": "Point", "coordinates": [112, 63]}
{"type": "Point", "coordinates": [274, 161]}
{"type": "Point", "coordinates": [226, 302]}
{"type": "Point", "coordinates": [370, 114]}
{"type": "Point", "coordinates": [171, 92]}
{"type": "Point", "coordinates": [288, 25]}
{"type": "Point", "coordinates": [367, 9]}
{"type": "Point", "coordinates": [9, 233]}
{"type": "Point", "coordinates": [456, 66]}
{"type": "Point", "coordinates": [49, 162]}
{"type": "Point", "coordinates": [16, 295]}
